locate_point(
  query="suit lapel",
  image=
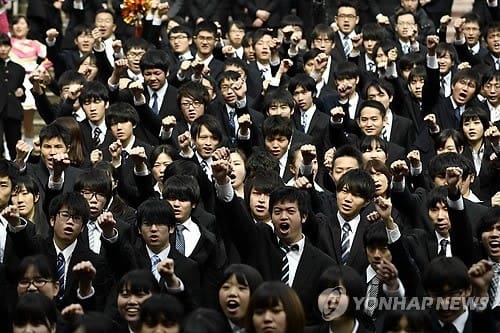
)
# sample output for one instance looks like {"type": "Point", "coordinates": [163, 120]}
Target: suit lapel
{"type": "Point", "coordinates": [304, 268]}
{"type": "Point", "coordinates": [357, 247]}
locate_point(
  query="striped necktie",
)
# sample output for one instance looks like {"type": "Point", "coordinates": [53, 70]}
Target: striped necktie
{"type": "Point", "coordinates": [285, 268]}
{"type": "Point", "coordinates": [61, 265]}
{"type": "Point", "coordinates": [180, 244]}
{"type": "Point", "coordinates": [345, 243]}
{"type": "Point", "coordinates": [371, 296]}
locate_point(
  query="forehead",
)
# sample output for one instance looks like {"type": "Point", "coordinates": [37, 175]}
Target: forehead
{"type": "Point", "coordinates": [286, 204]}
{"type": "Point", "coordinates": [264, 38]}
{"type": "Point", "coordinates": [406, 17]}
{"type": "Point", "coordinates": [346, 162]}
{"type": "Point", "coordinates": [206, 33]}
{"type": "Point", "coordinates": [346, 10]}
{"type": "Point", "coordinates": [53, 141]}
{"type": "Point", "coordinates": [369, 112]}
{"type": "Point", "coordinates": [376, 90]}
{"type": "Point", "coordinates": [5, 179]}
{"type": "Point", "coordinates": [104, 15]}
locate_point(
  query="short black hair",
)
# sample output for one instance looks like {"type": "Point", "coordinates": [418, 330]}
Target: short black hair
{"type": "Point", "coordinates": [182, 187]}
{"type": "Point", "coordinates": [446, 133]}
{"type": "Point", "coordinates": [291, 20]}
{"type": "Point", "coordinates": [82, 29]}
{"type": "Point", "coordinates": [71, 77]}
{"type": "Point", "coordinates": [261, 161]}
{"type": "Point", "coordinates": [439, 163]}
{"type": "Point", "coordinates": [443, 48]}
{"type": "Point", "coordinates": [322, 28]}
{"type": "Point", "coordinates": [55, 131]}
{"type": "Point", "coordinates": [75, 203]}
{"type": "Point", "coordinates": [347, 3]}
{"type": "Point", "coordinates": [207, 26]}
{"type": "Point", "coordinates": [278, 96]}
{"type": "Point", "coordinates": [417, 71]}
{"type": "Point", "coordinates": [211, 123]}
{"type": "Point", "coordinates": [121, 112]}
{"type": "Point", "coordinates": [205, 320]}
{"type": "Point", "coordinates": [373, 31]}
{"type": "Point", "coordinates": [35, 308]}
{"type": "Point", "coordinates": [375, 235]}
{"type": "Point", "coordinates": [94, 90]}
{"type": "Point", "coordinates": [467, 74]}
{"type": "Point", "coordinates": [227, 76]}
{"type": "Point", "coordinates": [437, 195]}
{"type": "Point", "coordinates": [153, 59]}
{"type": "Point", "coordinates": [163, 149]}
{"type": "Point", "coordinates": [488, 220]}
{"type": "Point", "coordinates": [358, 182]}
{"type": "Point", "coordinates": [9, 169]}
{"type": "Point", "coordinates": [366, 143]}
{"type": "Point", "coordinates": [155, 211]}
{"type": "Point", "coordinates": [304, 81]}
{"type": "Point", "coordinates": [161, 309]}
{"type": "Point", "coordinates": [237, 62]}
{"type": "Point", "coordinates": [262, 181]}
{"type": "Point", "coordinates": [194, 90]}
{"type": "Point", "coordinates": [445, 272]}
{"type": "Point", "coordinates": [379, 85]}
{"type": "Point", "coordinates": [245, 275]}
{"type": "Point", "coordinates": [291, 194]}
{"type": "Point", "coordinates": [277, 125]}
{"type": "Point", "coordinates": [181, 28]}
{"type": "Point", "coordinates": [348, 151]}
{"type": "Point", "coordinates": [135, 43]}
{"type": "Point", "coordinates": [95, 180]}
{"type": "Point", "coordinates": [371, 104]}
{"type": "Point", "coordinates": [138, 281]}
{"type": "Point", "coordinates": [40, 263]}
{"type": "Point", "coordinates": [259, 33]}
{"type": "Point", "coordinates": [347, 70]}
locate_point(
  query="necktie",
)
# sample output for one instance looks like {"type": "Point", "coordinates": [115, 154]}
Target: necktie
{"type": "Point", "coordinates": [232, 124]}
{"type": "Point", "coordinates": [442, 251]}
{"type": "Point", "coordinates": [180, 244]}
{"type": "Point", "coordinates": [181, 58]}
{"type": "Point", "coordinates": [383, 135]}
{"type": "Point", "coordinates": [442, 89]}
{"type": "Point", "coordinates": [303, 121]}
{"type": "Point", "coordinates": [346, 43]}
{"type": "Point", "coordinates": [204, 166]}
{"type": "Point", "coordinates": [372, 295]}
{"type": "Point", "coordinates": [155, 103]}
{"type": "Point", "coordinates": [285, 269]}
{"type": "Point", "coordinates": [497, 64]}
{"type": "Point", "coordinates": [155, 260]}
{"type": "Point", "coordinates": [61, 264]}
{"type": "Point", "coordinates": [91, 230]}
{"type": "Point", "coordinates": [456, 112]}
{"type": "Point", "coordinates": [492, 291]}
{"type": "Point", "coordinates": [449, 328]}
{"type": "Point", "coordinates": [96, 138]}
{"type": "Point", "coordinates": [345, 242]}
{"type": "Point", "coordinates": [371, 67]}
{"type": "Point", "coordinates": [263, 73]}
{"type": "Point", "coordinates": [406, 48]}
{"type": "Point", "coordinates": [124, 155]}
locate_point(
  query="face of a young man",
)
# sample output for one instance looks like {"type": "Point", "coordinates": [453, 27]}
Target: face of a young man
{"type": "Point", "coordinates": [463, 91]}
{"type": "Point", "coordinates": [303, 98]}
{"type": "Point", "coordinates": [492, 91]}
{"type": "Point", "coordinates": [472, 33]}
{"type": "Point", "coordinates": [182, 209]}
{"type": "Point", "coordinates": [349, 203]}
{"type": "Point", "coordinates": [277, 145]}
{"type": "Point", "coordinates": [405, 26]}
{"type": "Point", "coordinates": [84, 42]}
{"type": "Point", "coordinates": [51, 147]}
{"type": "Point", "coordinates": [440, 219]}
{"type": "Point", "coordinates": [445, 63]}
{"type": "Point", "coordinates": [123, 131]}
{"type": "Point", "coordinates": [370, 121]}
{"type": "Point", "coordinates": [95, 109]}
{"type": "Point", "coordinates": [5, 191]}
{"type": "Point", "coordinates": [376, 253]}
{"type": "Point", "coordinates": [280, 109]}
{"type": "Point", "coordinates": [347, 19]}
{"type": "Point", "coordinates": [155, 235]}
{"type": "Point", "coordinates": [66, 226]}
{"type": "Point", "coordinates": [235, 36]}
{"type": "Point", "coordinates": [493, 41]}
{"type": "Point", "coordinates": [490, 238]}
{"type": "Point", "coordinates": [416, 86]}
{"type": "Point", "coordinates": [262, 49]}
{"type": "Point", "coordinates": [155, 78]}
{"type": "Point", "coordinates": [134, 56]}
{"type": "Point", "coordinates": [323, 43]}
{"type": "Point", "coordinates": [205, 43]}
{"type": "Point", "coordinates": [105, 23]}
{"type": "Point", "coordinates": [205, 142]}
{"type": "Point", "coordinates": [341, 165]}
{"type": "Point", "coordinates": [379, 95]}
{"type": "Point", "coordinates": [287, 221]}
{"type": "Point", "coordinates": [180, 42]}
{"type": "Point", "coordinates": [259, 205]}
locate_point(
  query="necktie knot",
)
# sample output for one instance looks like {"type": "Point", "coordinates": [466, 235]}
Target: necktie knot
{"type": "Point", "coordinates": [496, 268]}
{"type": "Point", "coordinates": [97, 136]}
{"type": "Point", "coordinates": [155, 260]}
{"type": "Point", "coordinates": [346, 228]}
{"type": "Point", "coordinates": [444, 242]}
{"type": "Point", "coordinates": [60, 257]}
{"type": "Point", "coordinates": [154, 107]}
{"type": "Point", "coordinates": [287, 248]}
{"type": "Point", "coordinates": [180, 227]}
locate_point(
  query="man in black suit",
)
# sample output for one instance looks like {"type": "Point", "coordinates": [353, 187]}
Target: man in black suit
{"type": "Point", "coordinates": [65, 252]}
{"type": "Point", "coordinates": [11, 96]}
{"type": "Point", "coordinates": [308, 119]}
{"type": "Point", "coordinates": [464, 87]}
{"type": "Point", "coordinates": [347, 79]}
{"type": "Point", "coordinates": [323, 38]}
{"type": "Point", "coordinates": [285, 254]}
{"type": "Point", "coordinates": [397, 129]}
{"type": "Point", "coordinates": [347, 19]}
{"type": "Point", "coordinates": [156, 221]}
{"type": "Point", "coordinates": [406, 31]}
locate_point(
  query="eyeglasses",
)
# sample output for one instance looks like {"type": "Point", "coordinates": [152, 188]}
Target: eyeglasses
{"type": "Point", "coordinates": [172, 38]}
{"type": "Point", "coordinates": [195, 104]}
{"type": "Point", "coordinates": [89, 194]}
{"type": "Point", "coordinates": [37, 282]}
{"type": "Point", "coordinates": [65, 216]}
{"type": "Point", "coordinates": [133, 55]}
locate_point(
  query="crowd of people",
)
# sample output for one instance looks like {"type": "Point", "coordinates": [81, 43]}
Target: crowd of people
{"type": "Point", "coordinates": [250, 166]}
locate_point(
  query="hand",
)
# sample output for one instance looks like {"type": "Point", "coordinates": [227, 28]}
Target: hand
{"type": "Point", "coordinates": [60, 162]}
{"type": "Point", "coordinates": [274, 45]}
{"type": "Point", "coordinates": [384, 209]}
{"type": "Point", "coordinates": [399, 170]}
{"type": "Point", "coordinates": [454, 180]}
{"type": "Point", "coordinates": [392, 56]}
{"type": "Point", "coordinates": [222, 153]}
{"type": "Point", "coordinates": [431, 42]}
{"type": "Point", "coordinates": [303, 183]}
{"type": "Point", "coordinates": [136, 89]}
{"type": "Point", "coordinates": [444, 20]}
{"type": "Point", "coordinates": [493, 135]}
{"type": "Point", "coordinates": [262, 14]}
{"type": "Point", "coordinates": [373, 217]}
{"type": "Point", "coordinates": [115, 149]}
{"type": "Point", "coordinates": [320, 62]}
{"type": "Point", "coordinates": [95, 156]}
{"type": "Point", "coordinates": [57, 4]}
{"type": "Point", "coordinates": [71, 311]}
{"type": "Point", "coordinates": [308, 154]}
{"type": "Point", "coordinates": [495, 200]}
{"type": "Point", "coordinates": [185, 65]}
{"type": "Point", "coordinates": [22, 151]}
{"type": "Point", "coordinates": [257, 23]}
{"type": "Point", "coordinates": [458, 25]}
{"type": "Point", "coordinates": [107, 223]}
{"type": "Point", "coordinates": [11, 214]}
{"type": "Point", "coordinates": [36, 82]}
{"type": "Point", "coordinates": [245, 122]}
{"type": "Point", "coordinates": [117, 46]}
{"type": "Point", "coordinates": [430, 121]}
{"type": "Point", "coordinates": [74, 91]}
{"type": "Point", "coordinates": [480, 275]}
{"type": "Point", "coordinates": [185, 142]}
{"type": "Point", "coordinates": [383, 20]}
{"type": "Point", "coordinates": [414, 158]}
{"type": "Point", "coordinates": [138, 155]}
{"type": "Point", "coordinates": [85, 273]}
{"type": "Point", "coordinates": [285, 65]}
{"type": "Point", "coordinates": [97, 35]}
{"type": "Point", "coordinates": [19, 92]}
{"type": "Point", "coordinates": [52, 34]}
{"type": "Point", "coordinates": [166, 271]}
{"type": "Point", "coordinates": [121, 67]}
{"type": "Point", "coordinates": [296, 37]}
{"type": "Point", "coordinates": [228, 51]}
{"type": "Point", "coordinates": [388, 274]}
{"type": "Point", "coordinates": [337, 114]}
{"type": "Point", "coordinates": [168, 122]}
{"type": "Point", "coordinates": [328, 160]}
{"type": "Point", "coordinates": [357, 41]}
{"type": "Point", "coordinates": [463, 65]}
{"type": "Point", "coordinates": [221, 169]}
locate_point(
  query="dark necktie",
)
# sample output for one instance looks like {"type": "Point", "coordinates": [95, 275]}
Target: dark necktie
{"type": "Point", "coordinates": [232, 124]}
{"type": "Point", "coordinates": [61, 264]}
{"type": "Point", "coordinates": [124, 155]}
{"type": "Point", "coordinates": [96, 138]}
{"type": "Point", "coordinates": [456, 113]}
{"type": "Point", "coordinates": [155, 103]}
{"type": "Point", "coordinates": [345, 243]}
{"type": "Point", "coordinates": [180, 244]}
{"type": "Point", "coordinates": [443, 245]}
{"type": "Point", "coordinates": [263, 73]}
{"type": "Point", "coordinates": [449, 328]}
{"type": "Point", "coordinates": [285, 269]}
{"type": "Point", "coordinates": [493, 289]}
{"type": "Point", "coordinates": [442, 90]}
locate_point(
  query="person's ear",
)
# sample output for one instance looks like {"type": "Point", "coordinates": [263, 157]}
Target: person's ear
{"type": "Point", "coordinates": [52, 221]}
{"type": "Point", "coordinates": [171, 229]}
{"type": "Point", "coordinates": [56, 288]}
{"type": "Point", "coordinates": [292, 169]}
{"type": "Point", "coordinates": [303, 219]}
{"type": "Point", "coordinates": [460, 149]}
{"type": "Point", "coordinates": [36, 197]}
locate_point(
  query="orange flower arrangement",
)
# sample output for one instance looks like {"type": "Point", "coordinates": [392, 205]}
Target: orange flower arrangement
{"type": "Point", "coordinates": [133, 11]}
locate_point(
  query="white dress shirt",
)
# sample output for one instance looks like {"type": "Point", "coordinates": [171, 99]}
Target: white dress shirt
{"type": "Point", "coordinates": [191, 235]}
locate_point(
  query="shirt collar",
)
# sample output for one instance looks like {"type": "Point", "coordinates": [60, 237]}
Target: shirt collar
{"type": "Point", "coordinates": [206, 61]}
{"type": "Point", "coordinates": [188, 224]}
{"type": "Point", "coordinates": [460, 321]}
{"type": "Point", "coordinates": [102, 127]}
{"type": "Point", "coordinates": [67, 252]}
{"type": "Point", "coordinates": [353, 222]}
{"type": "Point", "coordinates": [159, 92]}
{"type": "Point", "coordinates": [439, 238]}
{"type": "Point", "coordinates": [163, 254]}
{"type": "Point", "coordinates": [370, 273]}
{"type": "Point", "coordinates": [130, 144]}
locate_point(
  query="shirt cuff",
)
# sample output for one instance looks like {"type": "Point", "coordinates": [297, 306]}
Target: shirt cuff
{"type": "Point", "coordinates": [79, 295]}
{"type": "Point", "coordinates": [455, 204]}
{"type": "Point", "coordinates": [165, 135]}
{"type": "Point", "coordinates": [78, 4]}
{"type": "Point", "coordinates": [493, 3]}
{"type": "Point", "coordinates": [354, 54]}
{"type": "Point", "coordinates": [22, 225]}
{"type": "Point", "coordinates": [112, 87]}
{"type": "Point", "coordinates": [416, 171]}
{"type": "Point", "coordinates": [240, 104]}
{"type": "Point", "coordinates": [244, 137]}
{"type": "Point", "coordinates": [460, 41]}
{"type": "Point", "coordinates": [55, 185]}
{"type": "Point", "coordinates": [398, 186]}
{"type": "Point", "coordinates": [306, 170]}
{"type": "Point", "coordinates": [224, 192]}
{"type": "Point", "coordinates": [179, 289]}
{"type": "Point", "coordinates": [156, 21]}
{"type": "Point", "coordinates": [275, 62]}
{"type": "Point", "coordinates": [400, 292]}
{"type": "Point", "coordinates": [432, 62]}
{"type": "Point", "coordinates": [393, 234]}
{"type": "Point", "coordinates": [181, 154]}
{"type": "Point", "coordinates": [144, 172]}
{"type": "Point", "coordinates": [99, 47]}
{"type": "Point", "coordinates": [275, 82]}
{"type": "Point", "coordinates": [140, 101]}
{"type": "Point", "coordinates": [113, 239]}
{"type": "Point", "coordinates": [50, 43]}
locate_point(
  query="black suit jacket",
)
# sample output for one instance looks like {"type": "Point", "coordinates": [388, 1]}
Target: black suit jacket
{"type": "Point", "coordinates": [11, 78]}
{"type": "Point", "coordinates": [88, 141]}
{"type": "Point", "coordinates": [258, 246]}
{"type": "Point", "coordinates": [402, 132]}
{"type": "Point", "coordinates": [319, 129]}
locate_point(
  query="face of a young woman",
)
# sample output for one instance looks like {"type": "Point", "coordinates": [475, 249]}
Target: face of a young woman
{"type": "Point", "coordinates": [233, 299]}
{"type": "Point", "coordinates": [24, 200]}
{"type": "Point", "coordinates": [33, 282]}
{"type": "Point", "coordinates": [271, 320]}
{"type": "Point", "coordinates": [129, 304]}
{"type": "Point", "coordinates": [33, 328]}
